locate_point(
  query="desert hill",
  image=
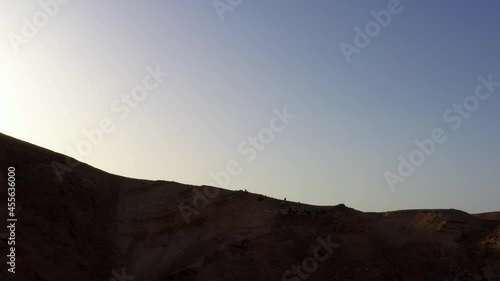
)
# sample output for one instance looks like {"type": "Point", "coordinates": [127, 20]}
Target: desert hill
{"type": "Point", "coordinates": [93, 225]}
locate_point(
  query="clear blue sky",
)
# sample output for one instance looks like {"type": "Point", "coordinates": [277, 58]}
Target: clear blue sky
{"type": "Point", "coordinates": [353, 119]}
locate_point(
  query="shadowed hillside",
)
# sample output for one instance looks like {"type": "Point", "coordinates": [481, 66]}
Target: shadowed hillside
{"type": "Point", "coordinates": [97, 226]}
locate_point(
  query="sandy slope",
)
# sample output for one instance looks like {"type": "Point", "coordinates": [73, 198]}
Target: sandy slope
{"type": "Point", "coordinates": [94, 222]}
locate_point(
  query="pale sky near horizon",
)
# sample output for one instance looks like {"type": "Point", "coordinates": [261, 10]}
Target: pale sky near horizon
{"type": "Point", "coordinates": [352, 120]}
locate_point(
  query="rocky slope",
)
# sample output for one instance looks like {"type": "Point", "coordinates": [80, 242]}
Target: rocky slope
{"type": "Point", "coordinates": [96, 226]}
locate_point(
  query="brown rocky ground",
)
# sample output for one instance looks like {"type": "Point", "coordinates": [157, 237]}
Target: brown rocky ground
{"type": "Point", "coordinates": [93, 224]}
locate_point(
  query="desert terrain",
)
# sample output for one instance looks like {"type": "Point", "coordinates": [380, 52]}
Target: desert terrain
{"type": "Point", "coordinates": [97, 226]}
